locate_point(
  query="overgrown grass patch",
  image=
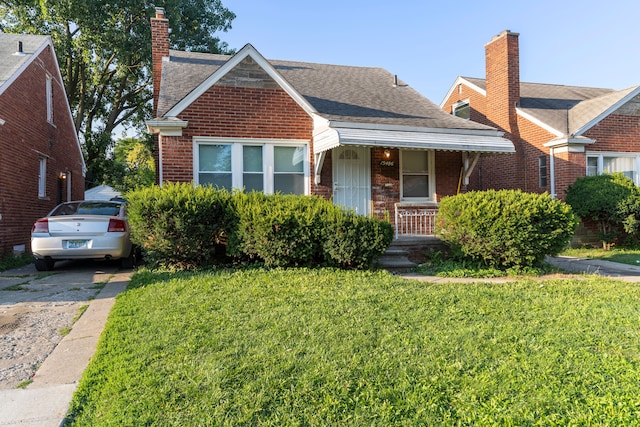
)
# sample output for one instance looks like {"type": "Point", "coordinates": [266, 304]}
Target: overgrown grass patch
{"type": "Point", "coordinates": [326, 347]}
{"type": "Point", "coordinates": [10, 261]}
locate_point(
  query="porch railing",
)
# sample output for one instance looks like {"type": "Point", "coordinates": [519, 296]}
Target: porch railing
{"type": "Point", "coordinates": [416, 220]}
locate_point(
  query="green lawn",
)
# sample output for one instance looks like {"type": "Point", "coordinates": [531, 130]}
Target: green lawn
{"type": "Point", "coordinates": [336, 348]}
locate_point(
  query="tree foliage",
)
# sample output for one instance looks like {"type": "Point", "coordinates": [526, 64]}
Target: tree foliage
{"type": "Point", "coordinates": [606, 200]}
{"type": "Point", "coordinates": [132, 164]}
{"type": "Point", "coordinates": [104, 51]}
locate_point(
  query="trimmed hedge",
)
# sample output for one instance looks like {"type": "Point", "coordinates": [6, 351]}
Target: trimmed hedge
{"type": "Point", "coordinates": [179, 225]}
{"type": "Point", "coordinates": [280, 230]}
{"type": "Point", "coordinates": [185, 226]}
{"type": "Point", "coordinates": [505, 228]}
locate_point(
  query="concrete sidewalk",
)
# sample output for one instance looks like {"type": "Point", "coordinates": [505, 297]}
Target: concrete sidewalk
{"type": "Point", "coordinates": [614, 270]}
{"type": "Point", "coordinates": [45, 401]}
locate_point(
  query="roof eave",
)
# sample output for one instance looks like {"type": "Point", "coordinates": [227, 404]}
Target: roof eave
{"type": "Point", "coordinates": [171, 126]}
{"type": "Point", "coordinates": [584, 128]}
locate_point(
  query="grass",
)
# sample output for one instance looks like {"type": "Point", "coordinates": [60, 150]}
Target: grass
{"type": "Point", "coordinates": [328, 348]}
{"type": "Point", "coordinates": [437, 264]}
{"type": "Point", "coordinates": [66, 330]}
{"type": "Point", "coordinates": [9, 262]}
{"type": "Point", "coordinates": [621, 255]}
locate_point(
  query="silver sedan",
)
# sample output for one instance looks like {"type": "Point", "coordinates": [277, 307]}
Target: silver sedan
{"type": "Point", "coordinates": [88, 229]}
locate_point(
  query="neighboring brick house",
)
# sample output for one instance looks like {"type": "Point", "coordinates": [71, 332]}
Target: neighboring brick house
{"type": "Point", "coordinates": [41, 161]}
{"type": "Point", "coordinates": [357, 135]}
{"type": "Point", "coordinates": [560, 132]}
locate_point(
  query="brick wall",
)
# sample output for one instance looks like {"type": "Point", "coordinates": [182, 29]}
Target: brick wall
{"type": "Point", "coordinates": [234, 112]}
{"type": "Point", "coordinates": [24, 138]}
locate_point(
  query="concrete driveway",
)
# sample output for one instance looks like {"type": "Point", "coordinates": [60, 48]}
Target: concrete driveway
{"type": "Point", "coordinates": [37, 309]}
{"type": "Point", "coordinates": [34, 354]}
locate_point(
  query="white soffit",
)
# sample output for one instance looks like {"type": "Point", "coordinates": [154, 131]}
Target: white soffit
{"type": "Point", "coordinates": [445, 141]}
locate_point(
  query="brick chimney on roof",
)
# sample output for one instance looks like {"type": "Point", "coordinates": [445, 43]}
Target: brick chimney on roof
{"type": "Point", "coordinates": [502, 55]}
{"type": "Point", "coordinates": [159, 50]}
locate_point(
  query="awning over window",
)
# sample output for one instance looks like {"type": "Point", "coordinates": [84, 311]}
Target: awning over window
{"type": "Point", "coordinates": [473, 141]}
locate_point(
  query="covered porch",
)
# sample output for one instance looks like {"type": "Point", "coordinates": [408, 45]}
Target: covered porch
{"type": "Point", "coordinates": [405, 171]}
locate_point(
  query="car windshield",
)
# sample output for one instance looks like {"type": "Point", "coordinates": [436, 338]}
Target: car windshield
{"type": "Point", "coordinates": [88, 208]}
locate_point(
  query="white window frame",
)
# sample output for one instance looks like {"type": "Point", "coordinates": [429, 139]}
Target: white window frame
{"type": "Point", "coordinates": [42, 177]}
{"type": "Point", "coordinates": [431, 176]}
{"type": "Point", "coordinates": [600, 159]}
{"type": "Point", "coordinates": [237, 167]}
{"type": "Point", "coordinates": [543, 168]}
{"type": "Point", "coordinates": [459, 106]}
{"type": "Point", "coordinates": [49, 96]}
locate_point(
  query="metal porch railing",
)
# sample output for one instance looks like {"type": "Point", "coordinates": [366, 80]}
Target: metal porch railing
{"type": "Point", "coordinates": [415, 220]}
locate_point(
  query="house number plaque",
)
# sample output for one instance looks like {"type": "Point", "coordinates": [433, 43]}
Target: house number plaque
{"type": "Point", "coordinates": [386, 163]}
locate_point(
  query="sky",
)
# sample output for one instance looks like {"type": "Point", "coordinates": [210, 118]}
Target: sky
{"type": "Point", "coordinates": [429, 43]}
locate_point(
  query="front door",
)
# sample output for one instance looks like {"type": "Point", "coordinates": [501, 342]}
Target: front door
{"type": "Point", "coordinates": [352, 178]}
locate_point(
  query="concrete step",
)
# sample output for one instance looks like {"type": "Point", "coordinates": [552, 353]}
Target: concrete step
{"type": "Point", "coordinates": [395, 260]}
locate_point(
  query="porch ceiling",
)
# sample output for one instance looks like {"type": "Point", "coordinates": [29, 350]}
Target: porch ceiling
{"type": "Point", "coordinates": [427, 139]}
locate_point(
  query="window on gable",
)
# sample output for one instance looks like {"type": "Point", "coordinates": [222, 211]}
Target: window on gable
{"type": "Point", "coordinates": [269, 168]}
{"type": "Point", "coordinates": [462, 109]}
{"type": "Point", "coordinates": [417, 178]}
{"type": "Point", "coordinates": [624, 163]}
{"type": "Point", "coordinates": [42, 178]}
{"type": "Point", "coordinates": [49, 95]}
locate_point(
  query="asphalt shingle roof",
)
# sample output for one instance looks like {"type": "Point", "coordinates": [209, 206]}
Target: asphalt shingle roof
{"type": "Point", "coordinates": [336, 92]}
{"type": "Point", "coordinates": [564, 108]}
{"type": "Point", "coordinates": [10, 61]}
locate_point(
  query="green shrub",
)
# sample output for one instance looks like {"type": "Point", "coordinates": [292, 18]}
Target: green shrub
{"type": "Point", "coordinates": [354, 241]}
{"type": "Point", "coordinates": [280, 230]}
{"type": "Point", "coordinates": [180, 225]}
{"type": "Point", "coordinates": [505, 228]}
{"type": "Point", "coordinates": [607, 200]}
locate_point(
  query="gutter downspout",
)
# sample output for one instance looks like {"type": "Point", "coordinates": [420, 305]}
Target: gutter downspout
{"type": "Point", "coordinates": [160, 163]}
{"type": "Point", "coordinates": [552, 174]}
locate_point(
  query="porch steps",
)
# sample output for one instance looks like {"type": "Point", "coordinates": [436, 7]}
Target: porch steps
{"type": "Point", "coordinates": [408, 251]}
{"type": "Point", "coordinates": [395, 260]}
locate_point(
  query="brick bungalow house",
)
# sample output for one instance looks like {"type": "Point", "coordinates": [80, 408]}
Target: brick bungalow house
{"type": "Point", "coordinates": [560, 132]}
{"type": "Point", "coordinates": [357, 135]}
{"type": "Point", "coordinates": [41, 162]}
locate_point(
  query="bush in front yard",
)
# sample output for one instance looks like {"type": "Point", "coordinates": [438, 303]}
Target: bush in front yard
{"type": "Point", "coordinates": [180, 225]}
{"type": "Point", "coordinates": [609, 200]}
{"type": "Point", "coordinates": [354, 241]}
{"type": "Point", "coordinates": [280, 230]}
{"type": "Point", "coordinates": [286, 231]}
{"type": "Point", "coordinates": [505, 228]}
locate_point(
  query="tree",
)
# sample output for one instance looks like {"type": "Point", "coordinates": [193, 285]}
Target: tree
{"type": "Point", "coordinates": [132, 164]}
{"type": "Point", "coordinates": [104, 52]}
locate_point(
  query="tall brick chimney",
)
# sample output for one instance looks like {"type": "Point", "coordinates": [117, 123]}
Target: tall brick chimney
{"type": "Point", "coordinates": [159, 49]}
{"type": "Point", "coordinates": [502, 55]}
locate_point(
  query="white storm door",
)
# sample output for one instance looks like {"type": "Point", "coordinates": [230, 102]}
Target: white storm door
{"type": "Point", "coordinates": [352, 178]}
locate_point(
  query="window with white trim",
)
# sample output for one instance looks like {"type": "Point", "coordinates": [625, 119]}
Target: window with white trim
{"type": "Point", "coordinates": [49, 95]}
{"type": "Point", "coordinates": [626, 163]}
{"type": "Point", "coordinates": [417, 180]}
{"type": "Point", "coordinates": [461, 109]}
{"type": "Point", "coordinates": [542, 171]}
{"type": "Point", "coordinates": [267, 167]}
{"type": "Point", "coordinates": [42, 177]}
